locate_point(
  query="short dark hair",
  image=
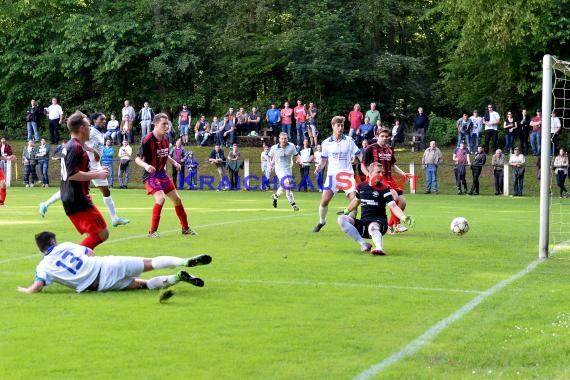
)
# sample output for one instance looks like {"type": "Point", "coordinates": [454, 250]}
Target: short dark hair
{"type": "Point", "coordinates": [96, 116]}
{"type": "Point", "coordinates": [76, 121]}
{"type": "Point", "coordinates": [44, 240]}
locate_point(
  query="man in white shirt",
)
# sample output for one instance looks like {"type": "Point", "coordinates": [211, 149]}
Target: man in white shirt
{"type": "Point", "coordinates": [338, 150]}
{"type": "Point", "coordinates": [555, 127]}
{"type": "Point", "coordinates": [281, 159]}
{"type": "Point", "coordinates": [491, 121]}
{"type": "Point", "coordinates": [77, 267]}
{"type": "Point", "coordinates": [55, 117]}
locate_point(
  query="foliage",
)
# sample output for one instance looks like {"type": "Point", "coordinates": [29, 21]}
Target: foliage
{"type": "Point", "coordinates": [442, 130]}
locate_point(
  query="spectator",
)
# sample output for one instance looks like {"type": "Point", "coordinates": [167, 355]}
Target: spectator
{"type": "Point", "coordinates": [373, 114]}
{"type": "Point", "coordinates": [241, 121]}
{"type": "Point", "coordinates": [555, 128]}
{"type": "Point", "coordinates": [356, 119]}
{"type": "Point", "coordinates": [535, 135]}
{"type": "Point", "coordinates": [265, 163]}
{"type": "Point", "coordinates": [475, 130]}
{"type": "Point", "coordinates": [498, 163]}
{"type": "Point", "coordinates": [491, 121]}
{"type": "Point", "coordinates": [365, 132]}
{"type": "Point", "coordinates": [431, 160]}
{"type": "Point", "coordinates": [524, 132]}
{"type": "Point", "coordinates": [312, 113]}
{"type": "Point", "coordinates": [317, 158]}
{"type": "Point", "coordinates": [184, 120]}
{"type": "Point", "coordinates": [254, 121]}
{"type": "Point", "coordinates": [113, 131]}
{"type": "Point", "coordinates": [476, 168]}
{"type": "Point", "coordinates": [192, 166]}
{"type": "Point", "coordinates": [300, 121]}
{"type": "Point", "coordinates": [33, 114]}
{"type": "Point", "coordinates": [421, 123]}
{"type": "Point", "coordinates": [234, 164]}
{"type": "Point", "coordinates": [125, 153]}
{"type": "Point", "coordinates": [461, 159]}
{"type": "Point", "coordinates": [146, 114]}
{"type": "Point", "coordinates": [560, 166]}
{"type": "Point", "coordinates": [464, 127]}
{"type": "Point", "coordinates": [178, 154]}
{"type": "Point", "coordinates": [6, 155]}
{"type": "Point", "coordinates": [108, 159]}
{"type": "Point", "coordinates": [29, 159]}
{"type": "Point", "coordinates": [43, 160]}
{"type": "Point", "coordinates": [397, 133]}
{"type": "Point", "coordinates": [229, 134]}
{"type": "Point", "coordinates": [218, 158]}
{"type": "Point", "coordinates": [216, 131]}
{"type": "Point", "coordinates": [273, 118]}
{"type": "Point", "coordinates": [517, 162]}
{"type": "Point", "coordinates": [55, 117]}
{"type": "Point", "coordinates": [511, 126]}
{"type": "Point", "coordinates": [286, 119]}
{"type": "Point", "coordinates": [58, 151]}
{"type": "Point", "coordinates": [200, 133]}
{"type": "Point", "coordinates": [128, 116]}
{"type": "Point", "coordinates": [306, 157]}
{"type": "Point", "coordinates": [125, 133]}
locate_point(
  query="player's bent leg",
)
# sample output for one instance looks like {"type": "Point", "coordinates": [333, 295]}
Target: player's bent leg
{"type": "Point", "coordinates": [347, 225]}
{"type": "Point", "coordinates": [376, 231]}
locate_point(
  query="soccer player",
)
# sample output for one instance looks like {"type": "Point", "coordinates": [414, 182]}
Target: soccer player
{"type": "Point", "coordinates": [152, 157]}
{"type": "Point", "coordinates": [382, 152]}
{"type": "Point", "coordinates": [374, 196]}
{"type": "Point", "coordinates": [77, 267]}
{"type": "Point", "coordinates": [6, 155]}
{"type": "Point", "coordinates": [94, 147]}
{"type": "Point", "coordinates": [281, 159]}
{"type": "Point", "coordinates": [338, 150]}
{"type": "Point", "coordinates": [74, 188]}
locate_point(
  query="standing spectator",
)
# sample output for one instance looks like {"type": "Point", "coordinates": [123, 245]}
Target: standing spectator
{"type": "Point", "coordinates": [498, 163]}
{"type": "Point", "coordinates": [265, 164]}
{"type": "Point", "coordinates": [184, 120]}
{"type": "Point", "coordinates": [125, 134]}
{"type": "Point", "coordinates": [33, 114]}
{"type": "Point", "coordinates": [55, 118]}
{"type": "Point", "coordinates": [511, 127]}
{"type": "Point", "coordinates": [113, 131]}
{"type": "Point", "coordinates": [108, 159]}
{"type": "Point", "coordinates": [125, 152]}
{"type": "Point", "coordinates": [312, 113]}
{"type": "Point", "coordinates": [555, 128]}
{"type": "Point", "coordinates": [128, 116]}
{"type": "Point", "coordinates": [491, 121]}
{"type": "Point", "coordinates": [178, 154]}
{"type": "Point", "coordinates": [477, 122]}
{"type": "Point", "coordinates": [58, 152]}
{"type": "Point", "coordinates": [535, 135]}
{"type": "Point", "coordinates": [286, 119]}
{"type": "Point", "coordinates": [273, 118]}
{"type": "Point", "coordinates": [216, 130]}
{"type": "Point", "coordinates": [241, 121]}
{"type": "Point", "coordinates": [281, 155]}
{"type": "Point", "coordinates": [461, 159]}
{"type": "Point", "coordinates": [218, 158]}
{"type": "Point", "coordinates": [29, 160]}
{"type": "Point", "coordinates": [373, 114]}
{"type": "Point", "coordinates": [234, 164]}
{"type": "Point", "coordinates": [6, 155]}
{"type": "Point", "coordinates": [560, 166]}
{"type": "Point", "coordinates": [431, 160]}
{"type": "Point", "coordinates": [421, 123]}
{"type": "Point", "coordinates": [43, 160]}
{"type": "Point", "coordinates": [305, 158]}
{"type": "Point", "coordinates": [355, 118]}
{"type": "Point", "coordinates": [254, 121]}
{"type": "Point", "coordinates": [200, 133]}
{"type": "Point", "coordinates": [517, 162]}
{"type": "Point", "coordinates": [229, 134]}
{"type": "Point", "coordinates": [192, 166]}
{"type": "Point", "coordinates": [300, 121]}
{"type": "Point", "coordinates": [464, 127]}
{"type": "Point", "coordinates": [152, 157]}
{"type": "Point", "coordinates": [524, 131]}
{"type": "Point", "coordinates": [146, 114]}
{"type": "Point", "coordinates": [318, 155]}
{"type": "Point", "coordinates": [476, 168]}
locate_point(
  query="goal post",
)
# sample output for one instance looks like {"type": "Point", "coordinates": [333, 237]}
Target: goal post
{"type": "Point", "coordinates": [545, 157]}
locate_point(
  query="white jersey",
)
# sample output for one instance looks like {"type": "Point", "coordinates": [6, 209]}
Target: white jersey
{"type": "Point", "coordinates": [69, 265]}
{"type": "Point", "coordinates": [282, 158]}
{"type": "Point", "coordinates": [339, 154]}
{"type": "Point", "coordinates": [96, 141]}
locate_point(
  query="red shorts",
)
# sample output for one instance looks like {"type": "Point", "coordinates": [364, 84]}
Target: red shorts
{"type": "Point", "coordinates": [395, 185]}
{"type": "Point", "coordinates": [89, 221]}
{"type": "Point", "coordinates": [157, 183]}
{"type": "Point", "coordinates": [2, 178]}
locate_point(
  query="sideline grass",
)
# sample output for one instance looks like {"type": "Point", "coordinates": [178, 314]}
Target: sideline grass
{"type": "Point", "coordinates": [281, 302]}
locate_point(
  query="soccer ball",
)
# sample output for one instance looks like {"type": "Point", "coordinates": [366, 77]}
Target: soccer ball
{"type": "Point", "coordinates": [459, 226]}
{"type": "Point", "coordinates": [253, 133]}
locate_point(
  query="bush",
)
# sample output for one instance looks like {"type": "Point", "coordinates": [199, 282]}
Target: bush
{"type": "Point", "coordinates": [442, 130]}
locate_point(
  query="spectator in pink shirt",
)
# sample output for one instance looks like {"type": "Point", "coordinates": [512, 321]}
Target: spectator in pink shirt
{"type": "Point", "coordinates": [286, 119]}
{"type": "Point", "coordinates": [356, 119]}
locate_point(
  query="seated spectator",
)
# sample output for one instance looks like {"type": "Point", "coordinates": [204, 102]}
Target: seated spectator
{"type": "Point", "coordinates": [397, 133]}
{"type": "Point", "coordinates": [218, 158]}
{"type": "Point", "coordinates": [113, 131]}
{"type": "Point", "coordinates": [217, 130]}
{"type": "Point", "coordinates": [200, 133]}
{"type": "Point", "coordinates": [229, 133]}
{"type": "Point", "coordinates": [364, 132]}
{"type": "Point", "coordinates": [192, 167]}
{"type": "Point", "coordinates": [254, 121]}
{"type": "Point", "coordinates": [125, 152]}
{"type": "Point", "coordinates": [107, 159]}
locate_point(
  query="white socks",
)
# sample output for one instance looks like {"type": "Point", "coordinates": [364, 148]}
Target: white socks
{"type": "Point", "coordinates": [54, 198]}
{"type": "Point", "coordinates": [290, 197]}
{"type": "Point", "coordinates": [161, 282]}
{"type": "Point", "coordinates": [161, 262]}
{"type": "Point", "coordinates": [374, 231]}
{"type": "Point", "coordinates": [349, 229]}
{"type": "Point", "coordinates": [323, 214]}
{"type": "Point", "coordinates": [110, 206]}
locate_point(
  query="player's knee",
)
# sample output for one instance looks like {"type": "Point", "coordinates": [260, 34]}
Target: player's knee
{"type": "Point", "coordinates": [373, 228]}
{"type": "Point", "coordinates": [104, 234]}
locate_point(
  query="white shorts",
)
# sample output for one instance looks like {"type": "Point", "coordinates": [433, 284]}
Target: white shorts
{"type": "Point", "coordinates": [118, 272]}
{"type": "Point", "coordinates": [340, 181]}
{"type": "Point", "coordinates": [96, 165]}
{"type": "Point", "coordinates": [282, 174]}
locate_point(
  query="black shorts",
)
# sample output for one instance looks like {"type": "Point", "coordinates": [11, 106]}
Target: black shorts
{"type": "Point", "coordinates": [362, 226]}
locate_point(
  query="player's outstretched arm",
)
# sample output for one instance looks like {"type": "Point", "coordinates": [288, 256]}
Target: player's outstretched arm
{"type": "Point", "coordinates": [36, 287]}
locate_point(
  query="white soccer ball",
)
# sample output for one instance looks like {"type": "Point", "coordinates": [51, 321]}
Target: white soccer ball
{"type": "Point", "coordinates": [253, 133]}
{"type": "Point", "coordinates": [459, 226]}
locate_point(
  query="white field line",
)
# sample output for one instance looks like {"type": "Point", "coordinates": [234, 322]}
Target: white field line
{"type": "Point", "coordinates": [424, 339]}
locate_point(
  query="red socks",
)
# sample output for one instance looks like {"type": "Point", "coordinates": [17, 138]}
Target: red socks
{"type": "Point", "coordinates": [2, 195]}
{"type": "Point", "coordinates": [155, 220]}
{"type": "Point", "coordinates": [91, 241]}
{"type": "Point", "coordinates": [181, 213]}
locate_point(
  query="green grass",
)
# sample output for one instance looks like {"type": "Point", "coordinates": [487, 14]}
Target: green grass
{"type": "Point", "coordinates": [281, 302]}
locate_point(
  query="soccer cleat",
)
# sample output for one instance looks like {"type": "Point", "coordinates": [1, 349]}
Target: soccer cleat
{"type": "Point", "coordinates": [165, 295]}
{"type": "Point", "coordinates": [43, 209]}
{"type": "Point", "coordinates": [365, 247]}
{"type": "Point", "coordinates": [120, 222]}
{"type": "Point", "coordinates": [153, 234]}
{"type": "Point", "coordinates": [401, 228]}
{"type": "Point", "coordinates": [188, 231]}
{"type": "Point", "coordinates": [391, 230]}
{"type": "Point", "coordinates": [199, 260]}
{"type": "Point", "coordinates": [377, 252]}
{"type": "Point", "coordinates": [187, 277]}
{"type": "Point", "coordinates": [274, 200]}
{"type": "Point", "coordinates": [318, 227]}
{"type": "Point", "coordinates": [295, 208]}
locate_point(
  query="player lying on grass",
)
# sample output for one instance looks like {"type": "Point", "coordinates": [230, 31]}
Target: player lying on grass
{"type": "Point", "coordinates": [374, 196]}
{"type": "Point", "coordinates": [76, 267]}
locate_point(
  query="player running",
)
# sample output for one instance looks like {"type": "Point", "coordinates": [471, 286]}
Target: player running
{"type": "Point", "coordinates": [374, 196]}
{"type": "Point", "coordinates": [281, 158]}
{"type": "Point", "coordinates": [338, 150]}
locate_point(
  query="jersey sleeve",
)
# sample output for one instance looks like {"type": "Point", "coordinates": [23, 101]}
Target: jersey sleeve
{"type": "Point", "coordinates": [72, 160]}
{"type": "Point", "coordinates": [325, 151]}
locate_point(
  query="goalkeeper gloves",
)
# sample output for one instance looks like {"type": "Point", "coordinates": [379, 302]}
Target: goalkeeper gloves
{"type": "Point", "coordinates": [409, 220]}
{"type": "Point", "coordinates": [343, 212]}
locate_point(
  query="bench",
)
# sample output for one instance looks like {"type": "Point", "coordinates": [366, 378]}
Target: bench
{"type": "Point", "coordinates": [415, 141]}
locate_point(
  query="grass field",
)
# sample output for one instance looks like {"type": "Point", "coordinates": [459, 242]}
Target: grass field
{"type": "Point", "coordinates": [281, 302]}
